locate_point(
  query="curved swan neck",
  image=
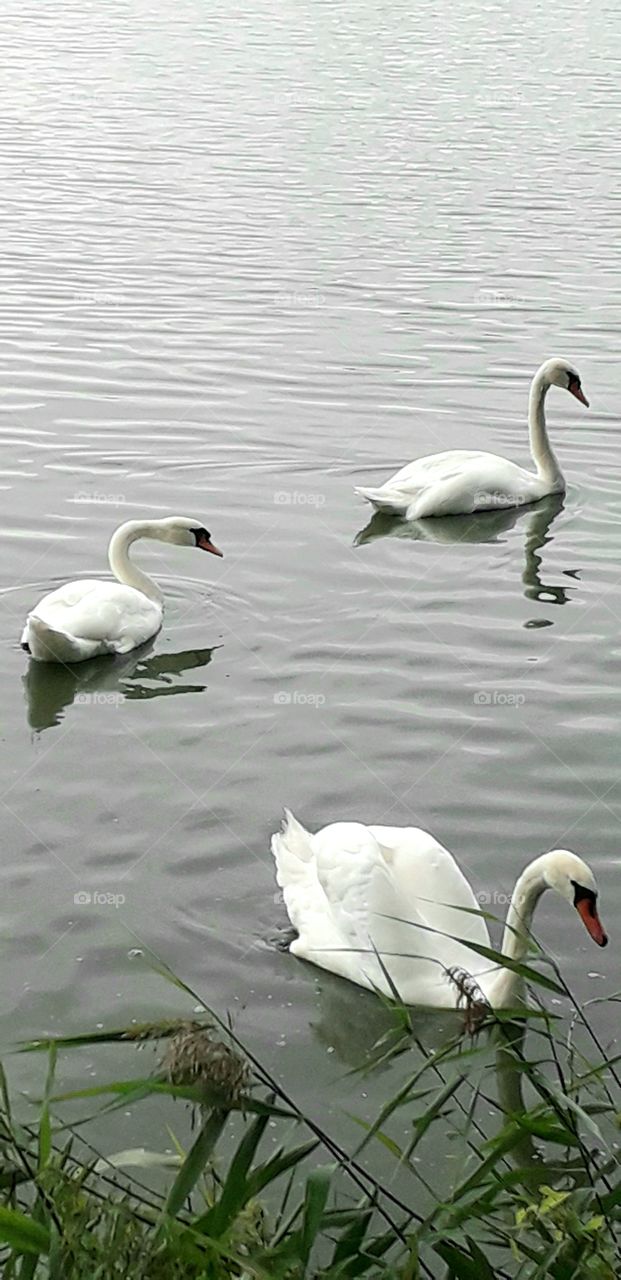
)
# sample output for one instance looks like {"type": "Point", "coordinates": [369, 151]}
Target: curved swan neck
{"type": "Point", "coordinates": [543, 455]}
{"type": "Point", "coordinates": [122, 567]}
{"type": "Point", "coordinates": [506, 986]}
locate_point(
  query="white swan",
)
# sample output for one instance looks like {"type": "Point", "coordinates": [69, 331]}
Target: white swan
{"type": "Point", "coordinates": [86, 618]}
{"type": "Point", "coordinates": [354, 892]}
{"type": "Point", "coordinates": [459, 481]}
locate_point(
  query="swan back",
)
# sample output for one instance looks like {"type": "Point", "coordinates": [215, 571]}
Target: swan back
{"type": "Point", "coordinates": [381, 906]}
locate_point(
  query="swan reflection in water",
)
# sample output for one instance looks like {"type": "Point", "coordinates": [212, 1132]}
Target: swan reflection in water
{"type": "Point", "coordinates": [366, 1035]}
{"type": "Point", "coordinates": [484, 526]}
{"type": "Point", "coordinates": [51, 687]}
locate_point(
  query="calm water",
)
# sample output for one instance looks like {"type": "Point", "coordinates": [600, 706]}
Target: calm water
{"type": "Point", "coordinates": [249, 262]}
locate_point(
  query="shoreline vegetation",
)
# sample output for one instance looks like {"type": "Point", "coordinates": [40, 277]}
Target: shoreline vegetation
{"type": "Point", "coordinates": [530, 1105]}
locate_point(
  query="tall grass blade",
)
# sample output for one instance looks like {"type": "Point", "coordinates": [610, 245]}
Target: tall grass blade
{"type": "Point", "coordinates": [45, 1126]}
{"type": "Point", "coordinates": [21, 1233]}
{"type": "Point", "coordinates": [195, 1162]}
{"type": "Point", "coordinates": [315, 1198]}
{"type": "Point", "coordinates": [463, 1265]}
{"type": "Point", "coordinates": [235, 1191]}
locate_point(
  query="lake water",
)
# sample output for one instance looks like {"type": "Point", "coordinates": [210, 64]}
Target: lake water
{"type": "Point", "coordinates": [250, 260]}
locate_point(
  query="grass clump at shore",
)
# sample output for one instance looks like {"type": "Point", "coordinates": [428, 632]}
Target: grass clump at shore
{"type": "Point", "coordinates": [534, 1189]}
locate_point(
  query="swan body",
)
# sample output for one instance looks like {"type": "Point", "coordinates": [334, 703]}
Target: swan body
{"type": "Point", "coordinates": [462, 481]}
{"type": "Point", "coordinates": [88, 617]}
{"type": "Point", "coordinates": [368, 902]}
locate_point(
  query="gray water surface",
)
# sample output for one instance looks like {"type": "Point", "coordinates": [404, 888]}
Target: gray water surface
{"type": "Point", "coordinates": [249, 261]}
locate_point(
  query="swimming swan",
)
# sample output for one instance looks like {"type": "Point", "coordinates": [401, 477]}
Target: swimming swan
{"type": "Point", "coordinates": [459, 481]}
{"type": "Point", "coordinates": [352, 891]}
{"type": "Point", "coordinates": [86, 618]}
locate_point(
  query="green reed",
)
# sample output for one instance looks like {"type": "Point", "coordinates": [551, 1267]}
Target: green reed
{"type": "Point", "coordinates": [530, 1104]}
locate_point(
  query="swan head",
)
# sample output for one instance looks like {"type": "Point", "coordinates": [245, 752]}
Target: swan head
{"type": "Point", "coordinates": [568, 875]}
{"type": "Point", "coordinates": [185, 532]}
{"type": "Point", "coordinates": [560, 373]}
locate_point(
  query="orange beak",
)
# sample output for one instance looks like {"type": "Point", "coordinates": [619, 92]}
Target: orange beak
{"type": "Point", "coordinates": [592, 923]}
{"type": "Point", "coordinates": [579, 394]}
{"type": "Point", "coordinates": [206, 545]}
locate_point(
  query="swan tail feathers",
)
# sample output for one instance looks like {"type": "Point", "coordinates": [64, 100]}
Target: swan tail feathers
{"type": "Point", "coordinates": [384, 500]}
{"type": "Point", "coordinates": [293, 852]}
{"type": "Point", "coordinates": [48, 644]}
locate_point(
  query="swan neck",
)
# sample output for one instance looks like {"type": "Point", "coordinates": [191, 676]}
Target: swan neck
{"type": "Point", "coordinates": [543, 455]}
{"type": "Point", "coordinates": [122, 566]}
{"type": "Point", "coordinates": [507, 986]}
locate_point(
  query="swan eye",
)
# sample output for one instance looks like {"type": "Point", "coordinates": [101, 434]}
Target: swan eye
{"type": "Point", "coordinates": [574, 382]}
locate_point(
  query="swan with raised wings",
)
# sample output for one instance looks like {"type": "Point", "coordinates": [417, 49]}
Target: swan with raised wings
{"type": "Point", "coordinates": [355, 893]}
{"type": "Point", "coordinates": [86, 618]}
{"type": "Point", "coordinates": [460, 481]}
